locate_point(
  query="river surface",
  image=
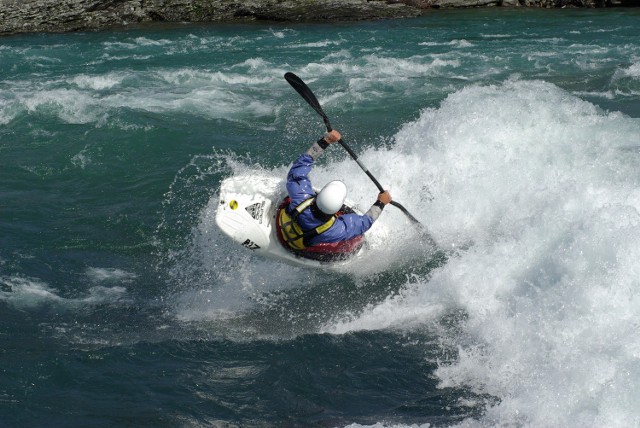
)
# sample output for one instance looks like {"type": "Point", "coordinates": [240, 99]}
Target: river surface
{"type": "Point", "coordinates": [513, 135]}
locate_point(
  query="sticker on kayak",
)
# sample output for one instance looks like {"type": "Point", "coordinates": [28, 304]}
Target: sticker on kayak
{"type": "Point", "coordinates": [256, 210]}
{"type": "Point", "coordinates": [251, 245]}
{"type": "Point", "coordinates": [233, 204]}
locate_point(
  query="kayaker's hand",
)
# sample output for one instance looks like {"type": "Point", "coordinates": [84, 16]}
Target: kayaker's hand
{"type": "Point", "coordinates": [384, 197]}
{"type": "Point", "coordinates": [332, 137]}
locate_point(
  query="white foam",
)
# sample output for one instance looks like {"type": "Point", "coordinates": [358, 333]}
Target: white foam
{"type": "Point", "coordinates": [609, 95]}
{"type": "Point", "coordinates": [462, 43]}
{"type": "Point", "coordinates": [496, 36]}
{"type": "Point", "coordinates": [632, 71]}
{"type": "Point", "coordinates": [72, 106]}
{"type": "Point", "coordinates": [412, 66]}
{"type": "Point", "coordinates": [145, 41]}
{"type": "Point", "coordinates": [224, 93]}
{"type": "Point", "coordinates": [388, 425]}
{"type": "Point", "coordinates": [98, 83]}
{"type": "Point", "coordinates": [318, 44]}
{"type": "Point", "coordinates": [193, 77]}
{"type": "Point", "coordinates": [7, 110]}
{"type": "Point", "coordinates": [280, 34]}
{"type": "Point", "coordinates": [539, 192]}
{"type": "Point", "coordinates": [27, 292]}
{"type": "Point", "coordinates": [212, 94]}
{"type": "Point", "coordinates": [119, 45]}
{"type": "Point", "coordinates": [82, 158]}
{"type": "Point", "coordinates": [381, 67]}
{"type": "Point", "coordinates": [32, 292]}
{"type": "Point", "coordinates": [109, 274]}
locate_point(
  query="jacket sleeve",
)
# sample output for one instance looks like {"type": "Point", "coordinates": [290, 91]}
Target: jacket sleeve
{"type": "Point", "coordinates": [354, 225]}
{"type": "Point", "coordinates": [298, 183]}
{"type": "Point", "coordinates": [358, 224]}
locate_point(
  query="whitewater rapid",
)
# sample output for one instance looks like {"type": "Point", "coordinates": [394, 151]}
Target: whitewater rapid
{"type": "Point", "coordinates": [535, 195]}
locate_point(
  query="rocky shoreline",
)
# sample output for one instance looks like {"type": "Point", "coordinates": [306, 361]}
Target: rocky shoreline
{"type": "Point", "coordinates": [28, 16]}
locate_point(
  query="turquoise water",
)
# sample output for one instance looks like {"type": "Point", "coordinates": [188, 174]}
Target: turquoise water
{"type": "Point", "coordinates": [511, 134]}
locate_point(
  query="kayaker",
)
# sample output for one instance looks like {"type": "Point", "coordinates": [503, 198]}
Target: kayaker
{"type": "Point", "coordinates": [309, 218]}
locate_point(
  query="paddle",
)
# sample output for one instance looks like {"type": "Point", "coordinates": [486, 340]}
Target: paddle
{"type": "Point", "coordinates": [310, 98]}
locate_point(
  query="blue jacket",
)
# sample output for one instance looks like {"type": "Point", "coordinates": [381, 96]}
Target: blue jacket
{"type": "Point", "coordinates": [299, 187]}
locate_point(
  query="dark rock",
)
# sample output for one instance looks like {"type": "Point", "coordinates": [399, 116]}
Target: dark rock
{"type": "Point", "coordinates": [19, 16]}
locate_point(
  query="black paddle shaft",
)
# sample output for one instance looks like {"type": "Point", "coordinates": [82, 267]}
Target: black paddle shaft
{"type": "Point", "coordinates": [311, 99]}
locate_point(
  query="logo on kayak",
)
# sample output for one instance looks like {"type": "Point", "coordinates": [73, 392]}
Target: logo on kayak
{"type": "Point", "coordinates": [233, 204]}
{"type": "Point", "coordinates": [250, 244]}
{"type": "Point", "coordinates": [256, 210]}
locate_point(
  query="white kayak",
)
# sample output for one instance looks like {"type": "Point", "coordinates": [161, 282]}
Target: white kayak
{"type": "Point", "coordinates": [247, 214]}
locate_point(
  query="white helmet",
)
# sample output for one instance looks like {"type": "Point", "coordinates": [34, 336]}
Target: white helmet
{"type": "Point", "coordinates": [331, 197]}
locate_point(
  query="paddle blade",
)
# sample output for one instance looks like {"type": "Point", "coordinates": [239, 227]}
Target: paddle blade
{"type": "Point", "coordinates": [304, 91]}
